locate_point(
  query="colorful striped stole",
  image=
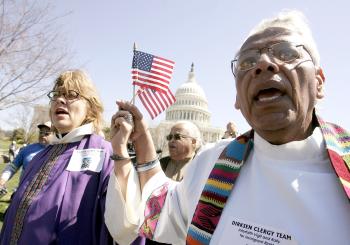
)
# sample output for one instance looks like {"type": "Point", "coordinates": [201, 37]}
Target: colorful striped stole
{"type": "Point", "coordinates": [338, 147]}
{"type": "Point", "coordinates": [226, 170]}
{"type": "Point", "coordinates": [217, 190]}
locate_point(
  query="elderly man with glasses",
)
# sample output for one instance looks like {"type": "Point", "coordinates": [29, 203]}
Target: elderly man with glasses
{"type": "Point", "coordinates": [286, 181]}
{"type": "Point", "coordinates": [26, 154]}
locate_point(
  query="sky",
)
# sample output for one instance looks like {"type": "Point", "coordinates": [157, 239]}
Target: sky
{"type": "Point", "coordinates": [207, 33]}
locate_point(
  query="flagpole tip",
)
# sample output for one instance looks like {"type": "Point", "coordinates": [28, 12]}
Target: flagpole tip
{"type": "Point", "coordinates": [135, 46]}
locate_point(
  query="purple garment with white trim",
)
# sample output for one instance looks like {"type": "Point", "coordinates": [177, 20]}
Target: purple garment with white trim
{"type": "Point", "coordinates": [69, 207]}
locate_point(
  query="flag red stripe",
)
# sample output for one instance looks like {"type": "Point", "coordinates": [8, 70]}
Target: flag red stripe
{"type": "Point", "coordinates": [147, 108]}
{"type": "Point", "coordinates": [153, 72]}
{"type": "Point", "coordinates": [165, 99]}
{"type": "Point", "coordinates": [156, 102]}
{"type": "Point", "coordinates": [159, 97]}
{"type": "Point", "coordinates": [147, 83]}
{"type": "Point", "coordinates": [150, 76]}
{"type": "Point", "coordinates": [168, 77]}
{"type": "Point", "coordinates": [143, 85]}
{"type": "Point", "coordinates": [161, 69]}
{"type": "Point", "coordinates": [160, 58]}
{"type": "Point", "coordinates": [162, 64]}
{"type": "Point", "coordinates": [146, 103]}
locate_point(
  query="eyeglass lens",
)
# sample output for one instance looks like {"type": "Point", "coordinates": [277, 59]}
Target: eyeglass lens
{"type": "Point", "coordinates": [175, 136]}
{"type": "Point", "coordinates": [284, 51]}
{"type": "Point", "coordinates": [69, 95]}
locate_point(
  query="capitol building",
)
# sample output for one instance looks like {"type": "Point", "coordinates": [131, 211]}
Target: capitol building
{"type": "Point", "coordinates": [191, 105]}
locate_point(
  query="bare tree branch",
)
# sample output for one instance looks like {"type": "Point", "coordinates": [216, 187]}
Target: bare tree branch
{"type": "Point", "coordinates": [32, 51]}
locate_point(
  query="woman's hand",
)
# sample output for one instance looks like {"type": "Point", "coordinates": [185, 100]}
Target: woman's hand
{"type": "Point", "coordinates": [121, 129]}
{"type": "Point", "coordinates": [140, 126]}
{"type": "Point", "coordinates": [141, 138]}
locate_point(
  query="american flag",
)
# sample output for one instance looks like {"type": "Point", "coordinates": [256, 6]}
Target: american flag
{"type": "Point", "coordinates": [156, 102]}
{"type": "Point", "coordinates": [149, 71]}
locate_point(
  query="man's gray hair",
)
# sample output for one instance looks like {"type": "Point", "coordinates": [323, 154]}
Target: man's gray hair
{"type": "Point", "coordinates": [194, 131]}
{"type": "Point", "coordinates": [295, 21]}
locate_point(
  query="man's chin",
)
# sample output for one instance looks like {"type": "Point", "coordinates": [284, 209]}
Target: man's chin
{"type": "Point", "coordinates": [272, 123]}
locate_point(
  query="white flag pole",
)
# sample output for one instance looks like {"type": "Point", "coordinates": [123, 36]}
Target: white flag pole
{"type": "Point", "coordinates": [133, 87]}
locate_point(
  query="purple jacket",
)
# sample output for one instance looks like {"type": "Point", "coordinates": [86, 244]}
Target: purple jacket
{"type": "Point", "coordinates": [55, 206]}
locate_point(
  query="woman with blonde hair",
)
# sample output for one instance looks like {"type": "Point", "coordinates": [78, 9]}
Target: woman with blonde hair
{"type": "Point", "coordinates": [61, 197]}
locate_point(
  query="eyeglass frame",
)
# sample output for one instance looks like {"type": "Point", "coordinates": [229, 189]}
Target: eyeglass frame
{"type": "Point", "coordinates": [177, 136]}
{"type": "Point", "coordinates": [51, 98]}
{"type": "Point", "coordinates": [269, 49]}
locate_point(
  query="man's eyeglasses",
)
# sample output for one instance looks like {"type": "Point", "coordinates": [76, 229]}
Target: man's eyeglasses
{"type": "Point", "coordinates": [177, 136]}
{"type": "Point", "coordinates": [68, 95]}
{"type": "Point", "coordinates": [284, 51]}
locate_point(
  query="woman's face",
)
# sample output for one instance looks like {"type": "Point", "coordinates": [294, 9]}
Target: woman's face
{"type": "Point", "coordinates": [67, 114]}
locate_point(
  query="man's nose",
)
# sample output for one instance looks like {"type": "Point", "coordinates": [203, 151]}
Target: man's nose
{"type": "Point", "coordinates": [265, 63]}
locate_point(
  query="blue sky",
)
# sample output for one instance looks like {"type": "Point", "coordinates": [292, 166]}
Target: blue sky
{"type": "Point", "coordinates": [207, 33]}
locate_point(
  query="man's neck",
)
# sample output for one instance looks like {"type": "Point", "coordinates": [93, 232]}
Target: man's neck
{"type": "Point", "coordinates": [179, 161]}
{"type": "Point", "coordinates": [286, 135]}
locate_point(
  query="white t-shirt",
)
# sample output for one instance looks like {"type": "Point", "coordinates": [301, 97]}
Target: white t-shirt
{"type": "Point", "coordinates": [285, 194]}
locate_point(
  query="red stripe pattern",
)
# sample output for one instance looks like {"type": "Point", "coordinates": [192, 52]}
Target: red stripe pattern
{"type": "Point", "coordinates": [153, 72]}
{"type": "Point", "coordinates": [156, 102]}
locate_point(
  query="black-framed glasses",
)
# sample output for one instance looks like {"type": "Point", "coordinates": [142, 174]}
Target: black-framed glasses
{"type": "Point", "coordinates": [68, 95]}
{"type": "Point", "coordinates": [177, 136]}
{"type": "Point", "coordinates": [285, 52]}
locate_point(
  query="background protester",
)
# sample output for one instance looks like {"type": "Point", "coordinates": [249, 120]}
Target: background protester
{"type": "Point", "coordinates": [231, 131]}
{"type": "Point", "coordinates": [26, 153]}
{"type": "Point", "coordinates": [12, 150]}
{"type": "Point", "coordinates": [184, 140]}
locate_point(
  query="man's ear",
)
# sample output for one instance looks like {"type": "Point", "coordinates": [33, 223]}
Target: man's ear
{"type": "Point", "coordinates": [237, 104]}
{"type": "Point", "coordinates": [194, 144]}
{"type": "Point", "coordinates": [320, 83]}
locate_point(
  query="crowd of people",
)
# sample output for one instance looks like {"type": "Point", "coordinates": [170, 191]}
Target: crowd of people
{"type": "Point", "coordinates": [286, 180]}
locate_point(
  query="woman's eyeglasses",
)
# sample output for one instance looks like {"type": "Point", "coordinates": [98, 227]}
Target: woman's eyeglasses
{"type": "Point", "coordinates": [68, 95]}
{"type": "Point", "coordinates": [177, 136]}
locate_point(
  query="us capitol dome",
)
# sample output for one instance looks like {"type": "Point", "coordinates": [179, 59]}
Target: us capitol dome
{"type": "Point", "coordinates": [191, 105]}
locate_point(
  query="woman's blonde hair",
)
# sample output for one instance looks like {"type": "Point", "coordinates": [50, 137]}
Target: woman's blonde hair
{"type": "Point", "coordinates": [79, 81]}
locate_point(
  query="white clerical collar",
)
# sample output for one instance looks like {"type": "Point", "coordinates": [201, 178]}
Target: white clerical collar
{"type": "Point", "coordinates": [73, 136]}
{"type": "Point", "coordinates": [312, 147]}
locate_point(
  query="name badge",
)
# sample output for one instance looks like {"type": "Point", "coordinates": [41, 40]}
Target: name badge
{"type": "Point", "coordinates": [87, 159]}
{"type": "Point", "coordinates": [248, 233]}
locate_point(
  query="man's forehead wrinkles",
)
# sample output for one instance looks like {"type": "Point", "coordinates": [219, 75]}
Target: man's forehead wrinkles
{"type": "Point", "coordinates": [269, 36]}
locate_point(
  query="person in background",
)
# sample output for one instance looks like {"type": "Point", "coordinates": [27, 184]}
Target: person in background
{"type": "Point", "coordinates": [12, 150]}
{"type": "Point", "coordinates": [61, 198]}
{"type": "Point", "coordinates": [286, 181]}
{"type": "Point", "coordinates": [26, 154]}
{"type": "Point", "coordinates": [231, 131]}
{"type": "Point", "coordinates": [184, 140]}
